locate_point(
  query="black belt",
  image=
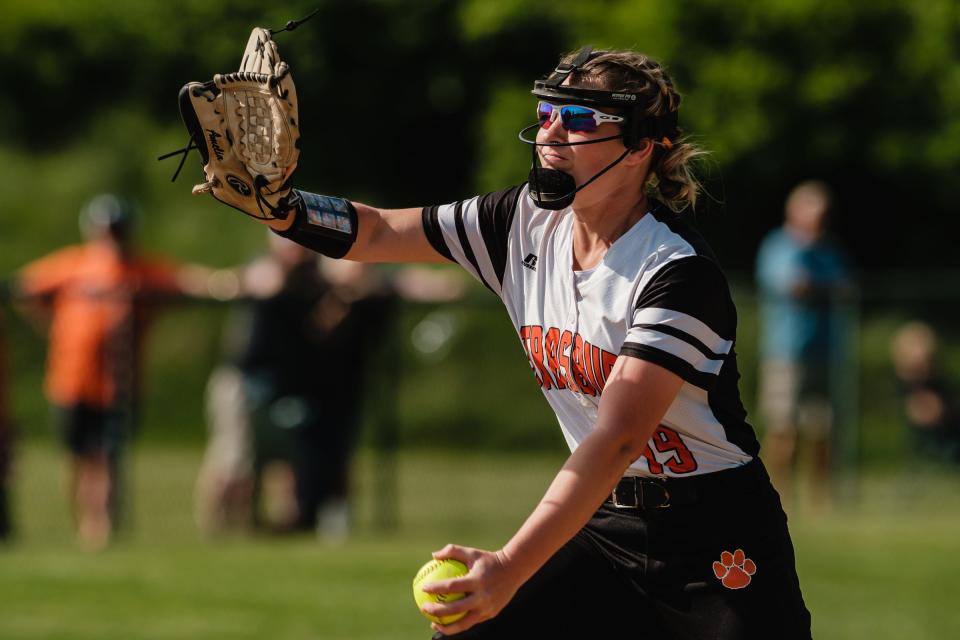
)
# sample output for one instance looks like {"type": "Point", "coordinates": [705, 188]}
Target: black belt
{"type": "Point", "coordinates": [633, 492]}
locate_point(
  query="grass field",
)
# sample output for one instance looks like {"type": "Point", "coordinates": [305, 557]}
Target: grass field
{"type": "Point", "coordinates": [886, 569]}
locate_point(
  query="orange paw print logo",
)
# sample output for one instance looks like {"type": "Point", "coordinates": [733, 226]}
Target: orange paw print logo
{"type": "Point", "coordinates": [734, 569]}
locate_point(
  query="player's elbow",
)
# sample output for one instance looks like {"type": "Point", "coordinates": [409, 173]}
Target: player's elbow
{"type": "Point", "coordinates": [627, 442]}
{"type": "Point", "coordinates": [633, 448]}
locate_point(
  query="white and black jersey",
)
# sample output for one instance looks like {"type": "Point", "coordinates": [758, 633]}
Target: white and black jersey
{"type": "Point", "coordinates": [658, 294]}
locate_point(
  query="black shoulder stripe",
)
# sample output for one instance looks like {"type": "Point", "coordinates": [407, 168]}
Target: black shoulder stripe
{"type": "Point", "coordinates": [676, 223]}
{"type": "Point", "coordinates": [495, 212]}
{"type": "Point", "coordinates": [431, 228]}
{"type": "Point", "coordinates": [465, 244]}
{"type": "Point", "coordinates": [670, 362]}
{"type": "Point", "coordinates": [686, 337]}
{"type": "Point", "coordinates": [695, 286]}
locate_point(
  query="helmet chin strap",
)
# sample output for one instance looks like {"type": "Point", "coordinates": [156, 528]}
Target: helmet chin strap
{"type": "Point", "coordinates": [553, 189]}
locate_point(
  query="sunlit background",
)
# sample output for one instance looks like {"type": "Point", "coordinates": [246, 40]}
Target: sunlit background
{"type": "Point", "coordinates": [417, 102]}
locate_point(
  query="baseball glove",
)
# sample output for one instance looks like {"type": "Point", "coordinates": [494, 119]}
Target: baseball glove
{"type": "Point", "coordinates": [246, 126]}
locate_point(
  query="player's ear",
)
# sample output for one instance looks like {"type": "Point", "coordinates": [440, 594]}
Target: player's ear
{"type": "Point", "coordinates": [640, 154]}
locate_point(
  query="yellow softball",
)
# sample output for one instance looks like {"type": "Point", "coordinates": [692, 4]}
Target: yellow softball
{"type": "Point", "coordinates": [434, 571]}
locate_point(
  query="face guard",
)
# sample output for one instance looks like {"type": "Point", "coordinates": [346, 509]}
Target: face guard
{"type": "Point", "coordinates": [554, 190]}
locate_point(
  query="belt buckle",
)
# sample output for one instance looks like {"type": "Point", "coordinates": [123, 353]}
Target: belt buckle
{"type": "Point", "coordinates": [666, 495]}
{"type": "Point", "coordinates": [639, 485]}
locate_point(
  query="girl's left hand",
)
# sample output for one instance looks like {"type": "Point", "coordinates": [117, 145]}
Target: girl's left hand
{"type": "Point", "coordinates": [489, 586]}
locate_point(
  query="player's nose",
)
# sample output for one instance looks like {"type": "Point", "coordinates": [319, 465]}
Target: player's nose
{"type": "Point", "coordinates": [555, 132]}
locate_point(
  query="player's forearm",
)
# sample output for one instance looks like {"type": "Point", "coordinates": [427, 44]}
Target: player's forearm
{"type": "Point", "coordinates": [636, 397]}
{"type": "Point", "coordinates": [390, 235]}
{"type": "Point", "coordinates": [578, 490]}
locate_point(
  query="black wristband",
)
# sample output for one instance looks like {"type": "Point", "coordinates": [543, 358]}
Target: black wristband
{"type": "Point", "coordinates": [323, 224]}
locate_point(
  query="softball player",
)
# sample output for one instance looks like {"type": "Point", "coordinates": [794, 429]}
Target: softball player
{"type": "Point", "coordinates": [662, 523]}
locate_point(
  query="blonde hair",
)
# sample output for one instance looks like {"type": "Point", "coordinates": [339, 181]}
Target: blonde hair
{"type": "Point", "coordinates": [671, 178]}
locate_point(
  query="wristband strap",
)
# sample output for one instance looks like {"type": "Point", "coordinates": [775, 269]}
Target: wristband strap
{"type": "Point", "coordinates": [324, 224]}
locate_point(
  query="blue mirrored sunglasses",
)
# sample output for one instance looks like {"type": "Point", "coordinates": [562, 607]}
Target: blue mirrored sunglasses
{"type": "Point", "coordinates": [573, 117]}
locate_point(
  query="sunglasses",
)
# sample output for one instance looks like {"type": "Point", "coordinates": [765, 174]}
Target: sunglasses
{"type": "Point", "coordinates": [573, 117]}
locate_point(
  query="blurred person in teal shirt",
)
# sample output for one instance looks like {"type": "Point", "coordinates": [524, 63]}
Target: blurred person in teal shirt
{"type": "Point", "coordinates": [802, 275]}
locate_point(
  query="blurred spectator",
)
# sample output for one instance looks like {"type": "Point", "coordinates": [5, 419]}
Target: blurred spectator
{"type": "Point", "coordinates": [802, 276]}
{"type": "Point", "coordinates": [264, 400]}
{"type": "Point", "coordinates": [930, 405]}
{"type": "Point", "coordinates": [225, 483]}
{"type": "Point", "coordinates": [96, 299]}
{"type": "Point", "coordinates": [6, 440]}
{"type": "Point", "coordinates": [285, 408]}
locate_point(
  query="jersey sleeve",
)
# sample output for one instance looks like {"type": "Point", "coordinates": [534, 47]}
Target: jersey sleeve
{"type": "Point", "coordinates": [158, 277]}
{"type": "Point", "coordinates": [684, 320]}
{"type": "Point", "coordinates": [46, 275]}
{"type": "Point", "coordinates": [474, 233]}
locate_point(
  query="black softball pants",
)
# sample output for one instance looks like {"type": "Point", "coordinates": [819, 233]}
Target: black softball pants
{"type": "Point", "coordinates": [717, 563]}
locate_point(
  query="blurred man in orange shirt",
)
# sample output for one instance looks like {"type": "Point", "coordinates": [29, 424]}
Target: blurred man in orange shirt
{"type": "Point", "coordinates": [97, 298]}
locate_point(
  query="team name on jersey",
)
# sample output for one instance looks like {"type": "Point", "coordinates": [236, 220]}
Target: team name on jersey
{"type": "Point", "coordinates": [565, 360]}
